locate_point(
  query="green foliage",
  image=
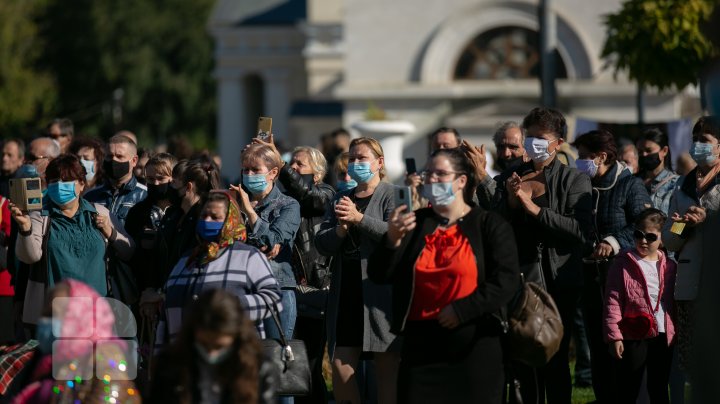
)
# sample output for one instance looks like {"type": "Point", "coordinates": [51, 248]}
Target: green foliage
{"type": "Point", "coordinates": [25, 92]}
{"type": "Point", "coordinates": [157, 52]}
{"type": "Point", "coordinates": [659, 42]}
{"type": "Point", "coordinates": [374, 112]}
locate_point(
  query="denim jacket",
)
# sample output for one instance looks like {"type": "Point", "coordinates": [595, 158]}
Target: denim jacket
{"type": "Point", "coordinates": [278, 222]}
{"type": "Point", "coordinates": [118, 201]}
{"type": "Point", "coordinates": [661, 189]}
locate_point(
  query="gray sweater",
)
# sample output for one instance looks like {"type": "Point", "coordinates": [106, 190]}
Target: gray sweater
{"type": "Point", "coordinates": [377, 299]}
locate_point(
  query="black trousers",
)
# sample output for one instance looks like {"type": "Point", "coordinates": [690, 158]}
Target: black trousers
{"type": "Point", "coordinates": [651, 354]}
{"type": "Point", "coordinates": [312, 332]}
{"type": "Point", "coordinates": [553, 380]}
{"type": "Point", "coordinates": [7, 320]}
{"type": "Point", "coordinates": [603, 377]}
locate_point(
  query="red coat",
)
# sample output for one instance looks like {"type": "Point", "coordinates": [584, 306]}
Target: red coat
{"type": "Point", "coordinates": [6, 288]}
{"type": "Point", "coordinates": [626, 294]}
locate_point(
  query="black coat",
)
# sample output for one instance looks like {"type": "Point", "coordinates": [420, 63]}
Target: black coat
{"type": "Point", "coordinates": [492, 242]}
{"type": "Point", "coordinates": [177, 236]}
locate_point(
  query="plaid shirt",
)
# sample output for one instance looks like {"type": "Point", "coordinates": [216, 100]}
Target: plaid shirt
{"type": "Point", "coordinates": [240, 269]}
{"type": "Point", "coordinates": [13, 359]}
{"type": "Point", "coordinates": [118, 201]}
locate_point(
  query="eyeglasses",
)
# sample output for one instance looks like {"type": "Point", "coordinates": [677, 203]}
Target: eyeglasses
{"type": "Point", "coordinates": [430, 174]}
{"type": "Point", "coordinates": [650, 237]}
{"type": "Point", "coordinates": [31, 158]}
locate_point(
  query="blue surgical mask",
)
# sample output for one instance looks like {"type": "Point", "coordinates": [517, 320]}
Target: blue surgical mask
{"type": "Point", "coordinates": [255, 183]}
{"type": "Point", "coordinates": [346, 185]}
{"type": "Point", "coordinates": [360, 172]}
{"type": "Point", "coordinates": [587, 166]}
{"type": "Point", "coordinates": [89, 169]}
{"type": "Point", "coordinates": [219, 356]}
{"type": "Point", "coordinates": [702, 153]}
{"type": "Point", "coordinates": [439, 193]}
{"type": "Point", "coordinates": [537, 149]}
{"type": "Point", "coordinates": [62, 192]}
{"type": "Point", "coordinates": [207, 230]}
{"type": "Point", "coordinates": [47, 331]}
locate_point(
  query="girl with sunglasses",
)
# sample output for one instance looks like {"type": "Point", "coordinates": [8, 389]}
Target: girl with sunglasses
{"type": "Point", "coordinates": [637, 318]}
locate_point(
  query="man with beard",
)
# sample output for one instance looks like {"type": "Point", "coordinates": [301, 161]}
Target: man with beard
{"type": "Point", "coordinates": [508, 139]}
{"type": "Point", "coordinates": [121, 190]}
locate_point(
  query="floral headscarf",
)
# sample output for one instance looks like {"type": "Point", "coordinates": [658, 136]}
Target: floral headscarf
{"type": "Point", "coordinates": [233, 230]}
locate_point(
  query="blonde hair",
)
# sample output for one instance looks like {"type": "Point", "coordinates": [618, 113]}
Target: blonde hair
{"type": "Point", "coordinates": [374, 146]}
{"type": "Point", "coordinates": [317, 160]}
{"type": "Point", "coordinates": [163, 163]}
{"type": "Point", "coordinates": [266, 154]}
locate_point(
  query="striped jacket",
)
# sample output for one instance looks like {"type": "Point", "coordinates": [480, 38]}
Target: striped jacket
{"type": "Point", "coordinates": [240, 269]}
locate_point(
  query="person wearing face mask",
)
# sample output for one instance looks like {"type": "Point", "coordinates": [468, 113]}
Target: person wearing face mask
{"type": "Point", "coordinates": [654, 164]}
{"type": "Point", "coordinates": [452, 267]}
{"type": "Point", "coordinates": [273, 220]}
{"type": "Point", "coordinates": [217, 357]}
{"type": "Point", "coordinates": [68, 238]}
{"type": "Point", "coordinates": [121, 190]}
{"type": "Point", "coordinates": [344, 182]}
{"type": "Point", "coordinates": [694, 203]}
{"type": "Point", "coordinates": [302, 179]}
{"type": "Point", "coordinates": [221, 260]}
{"type": "Point", "coordinates": [91, 154]}
{"type": "Point", "coordinates": [77, 324]}
{"type": "Point", "coordinates": [548, 204]}
{"type": "Point", "coordinates": [359, 310]}
{"type": "Point", "coordinates": [442, 138]}
{"type": "Point", "coordinates": [618, 198]}
{"type": "Point", "coordinates": [143, 220]}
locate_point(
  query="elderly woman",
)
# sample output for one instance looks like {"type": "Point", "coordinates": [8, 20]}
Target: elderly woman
{"type": "Point", "coordinates": [302, 179]}
{"type": "Point", "coordinates": [696, 199]}
{"type": "Point", "coordinates": [452, 267]}
{"type": "Point", "coordinates": [359, 310]}
{"type": "Point", "coordinates": [273, 220]}
{"type": "Point", "coordinates": [221, 261]}
{"type": "Point", "coordinates": [68, 238]}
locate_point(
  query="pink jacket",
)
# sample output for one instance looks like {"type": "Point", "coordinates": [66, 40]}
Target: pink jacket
{"type": "Point", "coordinates": [626, 293]}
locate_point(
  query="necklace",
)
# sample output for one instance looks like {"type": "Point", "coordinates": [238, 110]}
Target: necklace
{"type": "Point", "coordinates": [446, 222]}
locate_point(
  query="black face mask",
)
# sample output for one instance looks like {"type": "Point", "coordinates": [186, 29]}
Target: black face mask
{"type": "Point", "coordinates": [158, 192]}
{"type": "Point", "coordinates": [308, 179]}
{"type": "Point", "coordinates": [115, 170]}
{"type": "Point", "coordinates": [173, 195]}
{"type": "Point", "coordinates": [649, 162]}
{"type": "Point", "coordinates": [504, 164]}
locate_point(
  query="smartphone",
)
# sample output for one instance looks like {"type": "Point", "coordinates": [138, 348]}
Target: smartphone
{"type": "Point", "coordinates": [403, 196]}
{"type": "Point", "coordinates": [264, 127]}
{"type": "Point", "coordinates": [410, 166]}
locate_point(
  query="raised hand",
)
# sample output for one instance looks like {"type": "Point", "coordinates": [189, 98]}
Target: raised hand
{"type": "Point", "coordinates": [400, 223]}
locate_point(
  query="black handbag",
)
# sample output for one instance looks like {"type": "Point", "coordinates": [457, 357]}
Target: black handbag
{"type": "Point", "coordinates": [290, 358]}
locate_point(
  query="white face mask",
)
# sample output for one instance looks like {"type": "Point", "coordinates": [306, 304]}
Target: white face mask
{"type": "Point", "coordinates": [587, 166]}
{"type": "Point", "coordinates": [537, 149]}
{"type": "Point", "coordinates": [439, 193]}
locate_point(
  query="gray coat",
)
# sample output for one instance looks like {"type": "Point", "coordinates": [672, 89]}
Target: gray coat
{"type": "Point", "coordinates": [377, 299]}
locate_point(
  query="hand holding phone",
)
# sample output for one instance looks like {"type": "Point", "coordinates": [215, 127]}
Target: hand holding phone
{"type": "Point", "coordinates": [264, 127]}
{"type": "Point", "coordinates": [410, 167]}
{"type": "Point", "coordinates": [403, 196]}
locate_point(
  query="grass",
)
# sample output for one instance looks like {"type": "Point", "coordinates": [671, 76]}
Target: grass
{"type": "Point", "coordinates": [580, 395]}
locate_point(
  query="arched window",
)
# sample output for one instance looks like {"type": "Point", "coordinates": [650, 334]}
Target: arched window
{"type": "Point", "coordinates": [504, 53]}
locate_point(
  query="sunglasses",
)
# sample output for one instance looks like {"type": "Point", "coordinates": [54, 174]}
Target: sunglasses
{"type": "Point", "coordinates": [650, 237]}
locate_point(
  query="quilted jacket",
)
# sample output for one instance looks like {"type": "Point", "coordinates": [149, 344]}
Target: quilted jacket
{"type": "Point", "coordinates": [626, 294]}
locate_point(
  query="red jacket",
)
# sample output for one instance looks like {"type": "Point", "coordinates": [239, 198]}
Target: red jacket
{"type": "Point", "coordinates": [626, 294]}
{"type": "Point", "coordinates": [6, 288]}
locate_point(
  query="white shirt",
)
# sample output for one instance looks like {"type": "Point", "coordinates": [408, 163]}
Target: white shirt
{"type": "Point", "coordinates": [651, 271]}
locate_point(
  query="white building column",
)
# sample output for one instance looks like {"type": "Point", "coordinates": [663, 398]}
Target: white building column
{"type": "Point", "coordinates": [277, 100]}
{"type": "Point", "coordinates": [231, 120]}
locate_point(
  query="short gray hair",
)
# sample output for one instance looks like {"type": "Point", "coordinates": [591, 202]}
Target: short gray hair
{"type": "Point", "coordinates": [503, 127]}
{"type": "Point", "coordinates": [318, 163]}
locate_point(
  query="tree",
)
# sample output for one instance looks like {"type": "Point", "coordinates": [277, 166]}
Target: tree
{"type": "Point", "coordinates": [25, 92]}
{"type": "Point", "coordinates": [157, 52]}
{"type": "Point", "coordinates": [659, 42]}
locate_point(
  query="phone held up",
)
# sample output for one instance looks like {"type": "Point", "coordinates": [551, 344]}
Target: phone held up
{"type": "Point", "coordinates": [410, 167]}
{"type": "Point", "coordinates": [264, 127]}
{"type": "Point", "coordinates": [403, 196]}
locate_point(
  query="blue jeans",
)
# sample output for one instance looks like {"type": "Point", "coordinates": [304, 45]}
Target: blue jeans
{"type": "Point", "coordinates": [287, 320]}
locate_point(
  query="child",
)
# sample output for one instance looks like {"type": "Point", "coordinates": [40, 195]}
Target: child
{"type": "Point", "coordinates": [637, 314]}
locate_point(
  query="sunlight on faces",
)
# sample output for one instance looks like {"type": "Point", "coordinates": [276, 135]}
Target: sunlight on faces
{"type": "Point", "coordinates": [154, 177]}
{"type": "Point", "coordinates": [362, 153]}
{"type": "Point", "coordinates": [444, 140]}
{"type": "Point", "coordinates": [254, 166]}
{"type": "Point", "coordinates": [647, 147]}
{"type": "Point", "coordinates": [537, 132]}
{"type": "Point", "coordinates": [599, 158]}
{"type": "Point", "coordinates": [11, 158]}
{"type": "Point", "coordinates": [439, 169]}
{"type": "Point", "coordinates": [511, 145]}
{"type": "Point", "coordinates": [644, 247]}
{"type": "Point", "coordinates": [301, 163]}
{"type": "Point", "coordinates": [122, 152]}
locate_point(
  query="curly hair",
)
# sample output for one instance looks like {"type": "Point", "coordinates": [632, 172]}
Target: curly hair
{"type": "Point", "coordinates": [219, 311]}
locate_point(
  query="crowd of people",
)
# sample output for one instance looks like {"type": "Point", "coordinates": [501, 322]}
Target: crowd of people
{"type": "Point", "coordinates": [412, 298]}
